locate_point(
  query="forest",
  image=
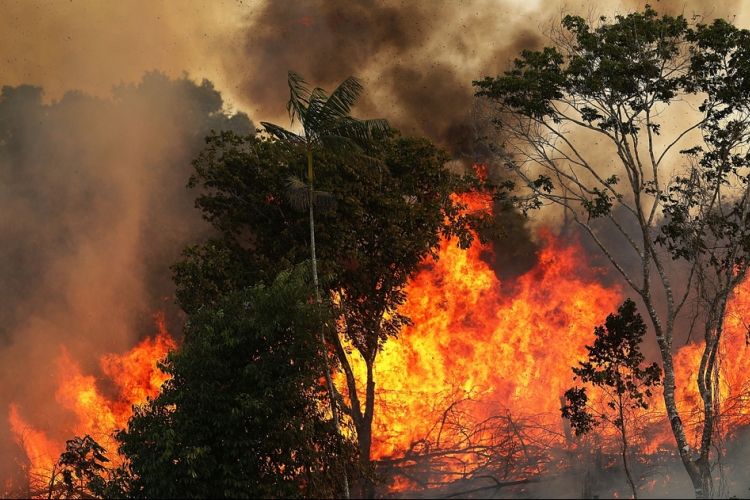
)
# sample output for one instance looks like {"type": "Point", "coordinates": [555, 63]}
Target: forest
{"type": "Point", "coordinates": [550, 302]}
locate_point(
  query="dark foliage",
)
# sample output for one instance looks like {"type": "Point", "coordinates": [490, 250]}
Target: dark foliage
{"type": "Point", "coordinates": [614, 362]}
{"type": "Point", "coordinates": [243, 414]}
{"type": "Point", "coordinates": [392, 207]}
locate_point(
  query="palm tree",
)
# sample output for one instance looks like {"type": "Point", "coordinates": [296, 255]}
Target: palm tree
{"type": "Point", "coordinates": [326, 124]}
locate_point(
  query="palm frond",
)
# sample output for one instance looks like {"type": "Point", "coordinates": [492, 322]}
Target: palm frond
{"type": "Point", "coordinates": [325, 119]}
{"type": "Point", "coordinates": [314, 120]}
{"type": "Point", "coordinates": [340, 102]}
{"type": "Point", "coordinates": [297, 193]}
{"type": "Point", "coordinates": [348, 146]}
{"type": "Point", "coordinates": [339, 144]}
{"type": "Point", "coordinates": [318, 95]}
{"type": "Point", "coordinates": [362, 131]}
{"type": "Point", "coordinates": [378, 125]}
{"type": "Point", "coordinates": [351, 135]}
{"type": "Point", "coordinates": [299, 97]}
{"type": "Point", "coordinates": [282, 133]}
{"type": "Point", "coordinates": [327, 124]}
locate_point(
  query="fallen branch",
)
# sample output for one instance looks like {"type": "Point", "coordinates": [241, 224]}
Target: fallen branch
{"type": "Point", "coordinates": [497, 485]}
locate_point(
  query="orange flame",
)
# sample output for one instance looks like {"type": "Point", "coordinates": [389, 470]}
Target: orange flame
{"type": "Point", "coordinates": [136, 377]}
{"type": "Point", "coordinates": [495, 353]}
{"type": "Point", "coordinates": [734, 386]}
{"type": "Point", "coordinates": [469, 341]}
{"type": "Point", "coordinates": [472, 345]}
{"type": "Point", "coordinates": [475, 346]}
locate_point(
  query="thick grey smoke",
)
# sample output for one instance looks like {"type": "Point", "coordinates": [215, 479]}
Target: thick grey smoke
{"type": "Point", "coordinates": [94, 209]}
{"type": "Point", "coordinates": [418, 58]}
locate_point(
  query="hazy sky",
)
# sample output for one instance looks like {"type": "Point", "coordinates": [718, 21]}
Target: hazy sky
{"type": "Point", "coordinates": [415, 56]}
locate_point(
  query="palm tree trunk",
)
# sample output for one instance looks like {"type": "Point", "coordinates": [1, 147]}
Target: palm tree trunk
{"type": "Point", "coordinates": [329, 380]}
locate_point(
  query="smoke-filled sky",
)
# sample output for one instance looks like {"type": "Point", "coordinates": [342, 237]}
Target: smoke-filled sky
{"type": "Point", "coordinates": [418, 58]}
{"type": "Point", "coordinates": [103, 106]}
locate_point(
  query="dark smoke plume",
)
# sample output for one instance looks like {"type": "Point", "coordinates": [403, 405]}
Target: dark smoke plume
{"type": "Point", "coordinates": [418, 58]}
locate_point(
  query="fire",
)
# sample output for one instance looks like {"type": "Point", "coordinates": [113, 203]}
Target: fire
{"type": "Point", "coordinates": [471, 342]}
{"type": "Point", "coordinates": [136, 378]}
{"type": "Point", "coordinates": [475, 352]}
{"type": "Point", "coordinates": [38, 447]}
{"type": "Point", "coordinates": [734, 386]}
{"type": "Point", "coordinates": [479, 360]}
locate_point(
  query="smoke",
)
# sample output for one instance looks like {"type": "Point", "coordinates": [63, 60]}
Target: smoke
{"type": "Point", "coordinates": [90, 46]}
{"type": "Point", "coordinates": [94, 209]}
{"type": "Point", "coordinates": [418, 58]}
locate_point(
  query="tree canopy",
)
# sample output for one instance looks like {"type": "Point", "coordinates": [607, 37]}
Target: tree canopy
{"type": "Point", "coordinates": [387, 220]}
{"type": "Point", "coordinates": [243, 413]}
{"type": "Point", "coordinates": [594, 124]}
{"type": "Point", "coordinates": [244, 180]}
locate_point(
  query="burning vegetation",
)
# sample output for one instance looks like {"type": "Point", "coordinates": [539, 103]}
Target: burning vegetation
{"type": "Point", "coordinates": [446, 421]}
{"type": "Point", "coordinates": [361, 320]}
{"type": "Point", "coordinates": [136, 379]}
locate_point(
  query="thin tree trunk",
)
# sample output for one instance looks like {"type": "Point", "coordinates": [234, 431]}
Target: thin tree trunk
{"type": "Point", "coordinates": [624, 449]}
{"type": "Point", "coordinates": [329, 380]}
{"type": "Point", "coordinates": [664, 340]}
{"type": "Point", "coordinates": [362, 425]}
{"type": "Point", "coordinates": [706, 386]}
{"type": "Point", "coordinates": [369, 408]}
{"type": "Point", "coordinates": [362, 415]}
{"type": "Point", "coordinates": [676, 423]}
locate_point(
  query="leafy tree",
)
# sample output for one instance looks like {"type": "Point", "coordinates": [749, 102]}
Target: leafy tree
{"type": "Point", "coordinates": [80, 471]}
{"type": "Point", "coordinates": [243, 413]}
{"type": "Point", "coordinates": [81, 464]}
{"type": "Point", "coordinates": [387, 221]}
{"type": "Point", "coordinates": [634, 90]}
{"type": "Point", "coordinates": [614, 366]}
{"type": "Point", "coordinates": [326, 125]}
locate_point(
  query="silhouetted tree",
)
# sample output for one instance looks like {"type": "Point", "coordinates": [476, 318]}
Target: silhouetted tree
{"type": "Point", "coordinates": [387, 221]}
{"type": "Point", "coordinates": [326, 125]}
{"type": "Point", "coordinates": [614, 366]}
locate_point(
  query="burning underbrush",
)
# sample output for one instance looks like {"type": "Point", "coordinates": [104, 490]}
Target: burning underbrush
{"type": "Point", "coordinates": [135, 377]}
{"type": "Point", "coordinates": [469, 397]}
